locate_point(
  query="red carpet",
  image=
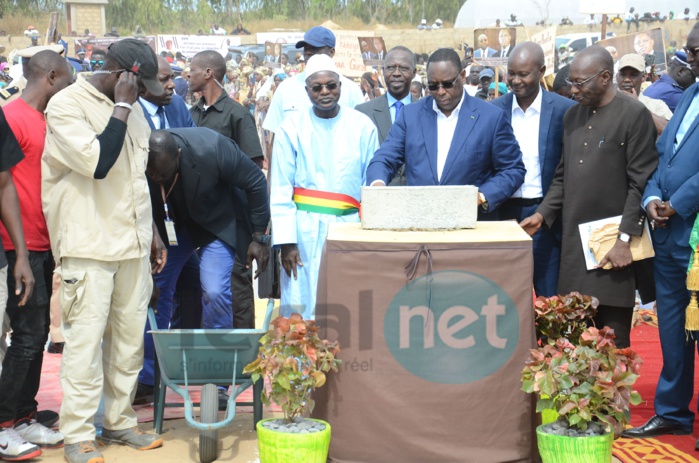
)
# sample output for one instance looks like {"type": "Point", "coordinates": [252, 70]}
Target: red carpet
{"type": "Point", "coordinates": [645, 341]}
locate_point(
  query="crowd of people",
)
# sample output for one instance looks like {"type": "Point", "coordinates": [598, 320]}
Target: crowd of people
{"type": "Point", "coordinates": [141, 182]}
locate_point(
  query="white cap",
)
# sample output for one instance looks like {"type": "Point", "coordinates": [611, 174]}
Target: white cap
{"type": "Point", "coordinates": [31, 51]}
{"type": "Point", "coordinates": [320, 63]}
{"type": "Point", "coordinates": [439, 21]}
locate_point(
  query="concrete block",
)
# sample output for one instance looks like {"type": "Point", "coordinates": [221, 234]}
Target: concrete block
{"type": "Point", "coordinates": [419, 207]}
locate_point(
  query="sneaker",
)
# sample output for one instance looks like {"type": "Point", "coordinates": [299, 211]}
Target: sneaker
{"type": "Point", "coordinates": [133, 437]}
{"type": "Point", "coordinates": [36, 433]}
{"type": "Point", "coordinates": [46, 417]}
{"type": "Point", "coordinates": [14, 448]}
{"type": "Point", "coordinates": [82, 452]}
{"type": "Point", "coordinates": [144, 395]}
{"type": "Point", "coordinates": [222, 399]}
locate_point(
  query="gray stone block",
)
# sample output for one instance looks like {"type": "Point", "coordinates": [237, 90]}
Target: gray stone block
{"type": "Point", "coordinates": [419, 207]}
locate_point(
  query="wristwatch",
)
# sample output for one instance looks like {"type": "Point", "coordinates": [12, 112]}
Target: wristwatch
{"type": "Point", "coordinates": [625, 237]}
{"type": "Point", "coordinates": [263, 239]}
{"type": "Point", "coordinates": [484, 202]}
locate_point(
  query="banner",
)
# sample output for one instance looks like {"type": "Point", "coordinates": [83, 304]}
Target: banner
{"type": "Point", "coordinates": [547, 40]}
{"type": "Point", "coordinates": [190, 45]}
{"type": "Point", "coordinates": [348, 56]}
{"type": "Point", "coordinates": [279, 37]}
{"type": "Point", "coordinates": [102, 43]}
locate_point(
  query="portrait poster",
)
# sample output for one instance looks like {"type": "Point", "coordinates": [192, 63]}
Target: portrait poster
{"type": "Point", "coordinates": [492, 46]}
{"type": "Point", "coordinates": [273, 54]}
{"type": "Point", "coordinates": [649, 44]}
{"type": "Point", "coordinates": [547, 40]}
{"type": "Point", "coordinates": [373, 50]}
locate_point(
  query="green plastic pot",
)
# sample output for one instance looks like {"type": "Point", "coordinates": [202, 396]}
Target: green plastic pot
{"type": "Point", "coordinates": [284, 447]}
{"type": "Point", "coordinates": [564, 449]}
{"type": "Point", "coordinates": [548, 415]}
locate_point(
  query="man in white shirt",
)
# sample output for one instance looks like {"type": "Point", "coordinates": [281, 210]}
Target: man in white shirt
{"type": "Point", "coordinates": [537, 121]}
{"type": "Point", "coordinates": [291, 95]}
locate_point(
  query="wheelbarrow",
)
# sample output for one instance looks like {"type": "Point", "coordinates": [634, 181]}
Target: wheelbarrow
{"type": "Point", "coordinates": [211, 357]}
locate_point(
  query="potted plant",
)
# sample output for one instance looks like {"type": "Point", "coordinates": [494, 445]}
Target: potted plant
{"type": "Point", "coordinates": [294, 360]}
{"type": "Point", "coordinates": [564, 316]}
{"type": "Point", "coordinates": [590, 385]}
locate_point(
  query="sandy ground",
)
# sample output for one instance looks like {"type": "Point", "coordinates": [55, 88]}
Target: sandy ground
{"type": "Point", "coordinates": [237, 443]}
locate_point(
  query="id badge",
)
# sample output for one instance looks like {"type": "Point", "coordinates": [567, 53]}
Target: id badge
{"type": "Point", "coordinates": [170, 230]}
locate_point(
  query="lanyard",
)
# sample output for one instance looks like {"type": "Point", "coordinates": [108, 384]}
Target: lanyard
{"type": "Point", "coordinates": [166, 196]}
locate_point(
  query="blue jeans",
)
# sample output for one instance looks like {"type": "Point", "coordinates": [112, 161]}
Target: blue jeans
{"type": "Point", "coordinates": [215, 266]}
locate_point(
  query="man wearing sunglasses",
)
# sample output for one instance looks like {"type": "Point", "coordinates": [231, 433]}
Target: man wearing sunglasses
{"type": "Point", "coordinates": [318, 165]}
{"type": "Point", "coordinates": [98, 212]}
{"type": "Point", "coordinates": [451, 138]}
{"type": "Point", "coordinates": [608, 155]}
{"type": "Point", "coordinates": [672, 203]}
{"type": "Point", "coordinates": [97, 59]}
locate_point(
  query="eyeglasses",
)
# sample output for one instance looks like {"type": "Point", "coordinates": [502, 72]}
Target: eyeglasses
{"type": "Point", "coordinates": [691, 51]}
{"type": "Point", "coordinates": [94, 61]}
{"type": "Point", "coordinates": [330, 86]}
{"type": "Point", "coordinates": [581, 84]}
{"type": "Point", "coordinates": [445, 85]}
{"type": "Point", "coordinates": [392, 68]}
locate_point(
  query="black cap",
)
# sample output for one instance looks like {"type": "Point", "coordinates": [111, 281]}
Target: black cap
{"type": "Point", "coordinates": [137, 57]}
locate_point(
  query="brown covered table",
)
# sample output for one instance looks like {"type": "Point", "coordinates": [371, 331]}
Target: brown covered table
{"type": "Point", "coordinates": [435, 328]}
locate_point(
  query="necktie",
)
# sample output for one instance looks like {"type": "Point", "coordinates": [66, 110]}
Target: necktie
{"type": "Point", "coordinates": [398, 105]}
{"type": "Point", "coordinates": [161, 115]}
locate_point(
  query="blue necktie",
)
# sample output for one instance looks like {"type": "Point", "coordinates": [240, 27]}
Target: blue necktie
{"type": "Point", "coordinates": [161, 115]}
{"type": "Point", "coordinates": [398, 105]}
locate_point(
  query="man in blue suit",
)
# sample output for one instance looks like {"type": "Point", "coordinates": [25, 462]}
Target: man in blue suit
{"type": "Point", "coordinates": [537, 120]}
{"type": "Point", "coordinates": [176, 283]}
{"type": "Point", "coordinates": [451, 138]}
{"type": "Point", "coordinates": [671, 199]}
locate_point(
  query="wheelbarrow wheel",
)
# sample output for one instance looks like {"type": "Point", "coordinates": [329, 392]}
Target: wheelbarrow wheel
{"type": "Point", "coordinates": [208, 440]}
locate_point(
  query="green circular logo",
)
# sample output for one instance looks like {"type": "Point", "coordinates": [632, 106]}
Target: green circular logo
{"type": "Point", "coordinates": [452, 327]}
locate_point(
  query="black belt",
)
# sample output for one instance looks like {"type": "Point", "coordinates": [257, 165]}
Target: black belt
{"type": "Point", "coordinates": [526, 201]}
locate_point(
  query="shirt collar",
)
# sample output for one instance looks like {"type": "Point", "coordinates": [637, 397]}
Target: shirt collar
{"type": "Point", "coordinates": [150, 108]}
{"type": "Point", "coordinates": [455, 111]}
{"type": "Point", "coordinates": [392, 100]}
{"type": "Point", "coordinates": [536, 104]}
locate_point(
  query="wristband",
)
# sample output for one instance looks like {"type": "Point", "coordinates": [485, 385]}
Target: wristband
{"type": "Point", "coordinates": [123, 104]}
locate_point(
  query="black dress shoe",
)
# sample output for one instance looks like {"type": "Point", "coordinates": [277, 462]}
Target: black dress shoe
{"type": "Point", "coordinates": [656, 426]}
{"type": "Point", "coordinates": [144, 395]}
{"type": "Point", "coordinates": [55, 347]}
{"type": "Point", "coordinates": [46, 417]}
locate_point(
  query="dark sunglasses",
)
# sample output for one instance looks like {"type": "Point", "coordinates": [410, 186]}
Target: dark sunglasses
{"type": "Point", "coordinates": [691, 51]}
{"type": "Point", "coordinates": [94, 61]}
{"type": "Point", "coordinates": [331, 86]}
{"type": "Point", "coordinates": [445, 85]}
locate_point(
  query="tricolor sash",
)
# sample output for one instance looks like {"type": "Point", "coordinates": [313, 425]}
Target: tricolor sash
{"type": "Point", "coordinates": [324, 202]}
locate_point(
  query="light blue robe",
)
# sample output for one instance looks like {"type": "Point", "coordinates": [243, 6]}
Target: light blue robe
{"type": "Point", "coordinates": [319, 154]}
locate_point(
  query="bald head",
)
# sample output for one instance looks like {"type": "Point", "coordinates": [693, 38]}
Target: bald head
{"type": "Point", "coordinates": [45, 61]}
{"type": "Point", "coordinates": [163, 156]}
{"type": "Point", "coordinates": [529, 52]}
{"type": "Point", "coordinates": [594, 56]}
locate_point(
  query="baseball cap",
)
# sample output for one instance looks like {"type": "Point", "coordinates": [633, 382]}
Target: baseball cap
{"type": "Point", "coordinates": [486, 73]}
{"type": "Point", "coordinates": [137, 57]}
{"type": "Point", "coordinates": [681, 58]}
{"type": "Point", "coordinates": [632, 60]}
{"type": "Point", "coordinates": [317, 37]}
